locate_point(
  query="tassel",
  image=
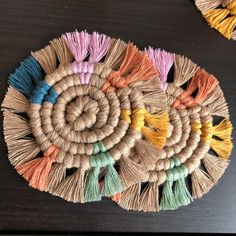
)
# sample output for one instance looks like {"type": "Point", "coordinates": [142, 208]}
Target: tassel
{"type": "Point", "coordinates": [158, 121]}
{"type": "Point", "coordinates": [216, 103]}
{"type": "Point", "coordinates": [26, 76]}
{"type": "Point", "coordinates": [185, 69]}
{"type": "Point", "coordinates": [98, 47]}
{"type": "Point", "coordinates": [222, 147]}
{"type": "Point", "coordinates": [78, 43]}
{"type": "Point", "coordinates": [181, 193]}
{"type": "Point", "coordinates": [135, 66]}
{"type": "Point", "coordinates": [205, 5]}
{"type": "Point", "coordinates": [56, 176]}
{"type": "Point", "coordinates": [157, 138]}
{"type": "Point", "coordinates": [15, 127]}
{"type": "Point", "coordinates": [36, 171]}
{"type": "Point", "coordinates": [22, 150]}
{"type": "Point", "coordinates": [163, 61]}
{"type": "Point", "coordinates": [130, 172]}
{"type": "Point", "coordinates": [153, 95]}
{"type": "Point", "coordinates": [91, 188]}
{"type": "Point", "coordinates": [15, 101]}
{"type": "Point", "coordinates": [168, 198]}
{"type": "Point", "coordinates": [63, 54]}
{"type": "Point", "coordinates": [72, 188]}
{"type": "Point", "coordinates": [115, 54]}
{"type": "Point", "coordinates": [223, 130]}
{"type": "Point", "coordinates": [201, 183]}
{"type": "Point", "coordinates": [204, 82]}
{"type": "Point", "coordinates": [215, 166]}
{"type": "Point", "coordinates": [227, 26]}
{"type": "Point", "coordinates": [147, 153]}
{"type": "Point", "coordinates": [215, 16]}
{"type": "Point", "coordinates": [130, 197]}
{"type": "Point", "coordinates": [112, 183]}
{"type": "Point", "coordinates": [46, 57]}
{"type": "Point", "coordinates": [149, 199]}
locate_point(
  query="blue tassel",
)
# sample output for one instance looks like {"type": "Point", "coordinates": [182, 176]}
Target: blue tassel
{"type": "Point", "coordinates": [26, 76]}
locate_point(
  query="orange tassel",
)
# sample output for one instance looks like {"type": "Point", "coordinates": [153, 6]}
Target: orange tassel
{"type": "Point", "coordinates": [36, 171]}
{"type": "Point", "coordinates": [204, 82]}
{"type": "Point", "coordinates": [135, 66]}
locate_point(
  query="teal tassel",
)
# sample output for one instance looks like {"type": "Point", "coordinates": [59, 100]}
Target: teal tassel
{"type": "Point", "coordinates": [26, 76]}
{"type": "Point", "coordinates": [91, 188]}
{"type": "Point", "coordinates": [112, 182]}
{"type": "Point", "coordinates": [168, 198]}
{"type": "Point", "coordinates": [181, 193]}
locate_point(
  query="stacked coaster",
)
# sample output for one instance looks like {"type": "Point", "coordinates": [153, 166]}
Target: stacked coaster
{"type": "Point", "coordinates": [90, 116]}
{"type": "Point", "coordinates": [220, 15]}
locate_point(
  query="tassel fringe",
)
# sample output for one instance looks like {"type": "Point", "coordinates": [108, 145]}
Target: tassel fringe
{"type": "Point", "coordinates": [47, 58]}
{"type": "Point", "coordinates": [201, 183]}
{"type": "Point", "coordinates": [72, 188]}
{"type": "Point", "coordinates": [36, 171]}
{"type": "Point", "coordinates": [15, 127]}
{"type": "Point", "coordinates": [130, 197]}
{"type": "Point", "coordinates": [63, 54]}
{"type": "Point", "coordinates": [149, 199]}
{"type": "Point", "coordinates": [215, 166]}
{"type": "Point", "coordinates": [130, 172]}
{"type": "Point", "coordinates": [15, 101]}
{"type": "Point", "coordinates": [185, 69]}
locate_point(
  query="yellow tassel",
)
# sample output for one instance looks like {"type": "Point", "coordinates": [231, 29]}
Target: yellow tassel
{"type": "Point", "coordinates": [226, 27]}
{"type": "Point", "coordinates": [154, 127]}
{"type": "Point", "coordinates": [232, 7]}
{"type": "Point", "coordinates": [215, 16]}
{"type": "Point", "coordinates": [222, 148]}
{"type": "Point", "coordinates": [157, 129]}
{"type": "Point", "coordinates": [223, 130]}
{"type": "Point", "coordinates": [158, 121]}
{"type": "Point", "coordinates": [157, 138]}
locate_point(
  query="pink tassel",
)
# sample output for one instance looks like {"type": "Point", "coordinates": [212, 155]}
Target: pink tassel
{"type": "Point", "coordinates": [78, 43]}
{"type": "Point", "coordinates": [163, 61]}
{"type": "Point", "coordinates": [98, 47]}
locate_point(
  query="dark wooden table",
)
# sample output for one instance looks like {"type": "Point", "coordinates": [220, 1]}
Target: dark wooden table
{"type": "Point", "coordinates": [174, 25]}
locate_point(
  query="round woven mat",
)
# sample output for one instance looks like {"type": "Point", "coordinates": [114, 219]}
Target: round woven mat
{"type": "Point", "coordinates": [220, 15]}
{"type": "Point", "coordinates": [91, 116]}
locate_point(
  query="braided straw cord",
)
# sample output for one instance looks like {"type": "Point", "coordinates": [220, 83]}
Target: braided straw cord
{"type": "Point", "coordinates": [220, 15]}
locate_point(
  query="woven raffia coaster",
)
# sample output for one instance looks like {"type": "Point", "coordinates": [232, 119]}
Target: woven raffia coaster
{"type": "Point", "coordinates": [220, 15]}
{"type": "Point", "coordinates": [89, 116]}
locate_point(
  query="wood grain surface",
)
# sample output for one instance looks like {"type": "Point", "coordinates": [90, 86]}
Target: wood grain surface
{"type": "Point", "coordinates": [174, 25]}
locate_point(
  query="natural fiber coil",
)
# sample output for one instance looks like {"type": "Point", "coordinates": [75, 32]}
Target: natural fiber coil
{"type": "Point", "coordinates": [196, 152]}
{"type": "Point", "coordinates": [75, 108]}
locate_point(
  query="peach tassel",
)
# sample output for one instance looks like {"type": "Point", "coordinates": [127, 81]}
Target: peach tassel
{"type": "Point", "coordinates": [36, 171]}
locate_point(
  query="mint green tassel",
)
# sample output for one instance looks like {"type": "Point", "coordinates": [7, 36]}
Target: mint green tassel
{"type": "Point", "coordinates": [112, 182]}
{"type": "Point", "coordinates": [181, 193]}
{"type": "Point", "coordinates": [168, 199]}
{"type": "Point", "coordinates": [91, 188]}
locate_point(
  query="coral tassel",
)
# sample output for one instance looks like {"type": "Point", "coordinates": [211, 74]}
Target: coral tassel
{"type": "Point", "coordinates": [37, 170]}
